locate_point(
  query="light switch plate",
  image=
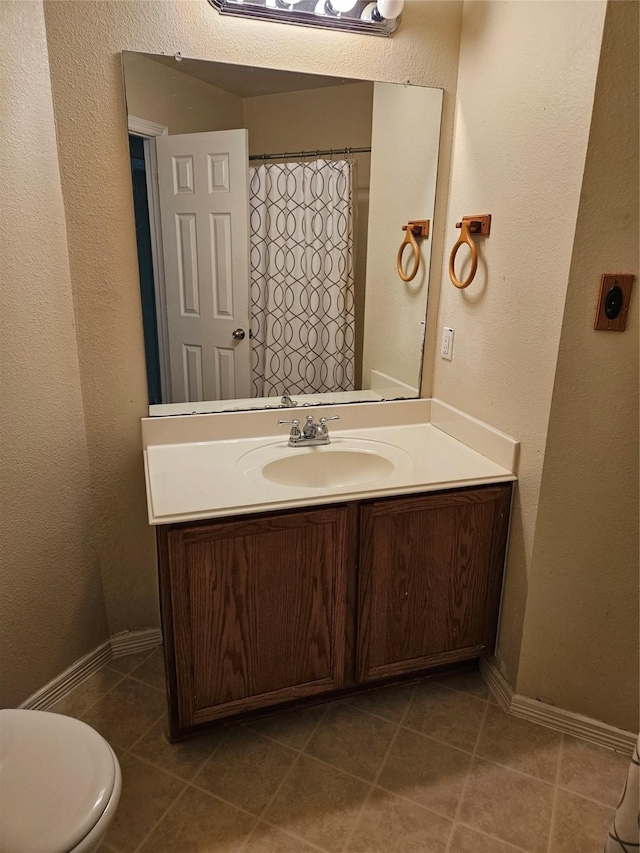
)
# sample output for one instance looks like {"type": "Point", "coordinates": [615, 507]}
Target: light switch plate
{"type": "Point", "coordinates": [447, 343]}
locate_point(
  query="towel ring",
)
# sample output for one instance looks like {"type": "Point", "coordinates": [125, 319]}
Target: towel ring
{"type": "Point", "coordinates": [409, 240]}
{"type": "Point", "coordinates": [465, 237]}
{"type": "Point", "coordinates": [413, 229]}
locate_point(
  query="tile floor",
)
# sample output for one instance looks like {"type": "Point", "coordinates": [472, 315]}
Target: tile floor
{"type": "Point", "coordinates": [430, 767]}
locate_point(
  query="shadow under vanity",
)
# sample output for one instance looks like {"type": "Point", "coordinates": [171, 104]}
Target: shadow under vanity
{"type": "Point", "coordinates": [288, 595]}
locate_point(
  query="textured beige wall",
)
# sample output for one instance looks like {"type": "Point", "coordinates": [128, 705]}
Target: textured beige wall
{"type": "Point", "coordinates": [330, 117]}
{"type": "Point", "coordinates": [51, 594]}
{"type": "Point", "coordinates": [85, 40]}
{"type": "Point", "coordinates": [580, 640]}
{"type": "Point", "coordinates": [181, 102]}
{"type": "Point", "coordinates": [525, 94]}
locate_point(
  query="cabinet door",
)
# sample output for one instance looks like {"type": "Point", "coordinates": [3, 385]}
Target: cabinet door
{"type": "Point", "coordinates": [430, 579]}
{"type": "Point", "coordinates": [255, 610]}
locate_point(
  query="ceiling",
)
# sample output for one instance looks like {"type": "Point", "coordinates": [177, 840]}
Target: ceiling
{"type": "Point", "coordinates": [245, 81]}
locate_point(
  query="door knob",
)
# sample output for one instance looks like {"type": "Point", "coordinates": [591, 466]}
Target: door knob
{"type": "Point", "coordinates": [238, 335]}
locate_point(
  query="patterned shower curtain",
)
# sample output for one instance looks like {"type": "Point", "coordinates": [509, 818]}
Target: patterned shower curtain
{"type": "Point", "coordinates": [302, 292]}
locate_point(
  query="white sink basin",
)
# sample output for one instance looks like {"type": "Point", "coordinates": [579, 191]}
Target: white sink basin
{"type": "Point", "coordinates": [341, 464]}
{"type": "Point", "coordinates": [328, 469]}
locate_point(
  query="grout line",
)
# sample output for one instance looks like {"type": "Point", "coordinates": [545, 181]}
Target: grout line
{"type": "Point", "coordinates": [143, 735]}
{"type": "Point", "coordinates": [437, 740]}
{"type": "Point", "coordinates": [298, 752]}
{"type": "Point", "coordinates": [585, 797]}
{"type": "Point", "coordinates": [379, 773]}
{"type": "Point", "coordinates": [287, 832]}
{"type": "Point", "coordinates": [174, 775]}
{"type": "Point", "coordinates": [555, 796]}
{"type": "Point", "coordinates": [415, 803]}
{"type": "Point", "coordinates": [132, 677]}
{"type": "Point", "coordinates": [197, 773]}
{"type": "Point", "coordinates": [508, 844]}
{"type": "Point", "coordinates": [162, 816]}
{"type": "Point", "coordinates": [514, 770]}
{"type": "Point", "coordinates": [121, 678]}
{"type": "Point", "coordinates": [367, 797]}
{"type": "Point", "coordinates": [220, 799]}
{"type": "Point", "coordinates": [465, 784]}
{"type": "Point", "coordinates": [100, 698]}
{"type": "Point", "coordinates": [463, 692]}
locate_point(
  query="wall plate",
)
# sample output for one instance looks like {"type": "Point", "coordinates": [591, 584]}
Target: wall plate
{"type": "Point", "coordinates": [613, 303]}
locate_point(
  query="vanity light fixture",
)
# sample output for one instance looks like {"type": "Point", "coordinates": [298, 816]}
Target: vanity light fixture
{"type": "Point", "coordinates": [377, 18]}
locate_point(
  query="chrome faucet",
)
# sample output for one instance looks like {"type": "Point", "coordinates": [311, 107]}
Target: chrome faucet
{"type": "Point", "coordinates": [286, 402]}
{"type": "Point", "coordinates": [312, 434]}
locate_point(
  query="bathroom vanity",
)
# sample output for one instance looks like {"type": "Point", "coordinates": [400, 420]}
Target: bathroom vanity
{"type": "Point", "coordinates": [288, 581]}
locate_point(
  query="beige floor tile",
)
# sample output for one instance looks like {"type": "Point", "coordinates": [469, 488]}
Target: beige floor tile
{"type": "Point", "coordinates": [579, 825]}
{"type": "Point", "coordinates": [268, 839]}
{"type": "Point", "coordinates": [388, 824]}
{"type": "Point", "coordinates": [87, 693]}
{"type": "Point", "coordinates": [184, 759]}
{"type": "Point", "coordinates": [146, 793]}
{"type": "Point", "coordinates": [428, 773]}
{"type": "Point", "coordinates": [151, 671]}
{"type": "Point", "coordinates": [125, 664]}
{"type": "Point", "coordinates": [292, 728]}
{"type": "Point", "coordinates": [465, 840]}
{"type": "Point", "coordinates": [125, 713]}
{"type": "Point", "coordinates": [390, 703]}
{"type": "Point", "coordinates": [199, 823]}
{"type": "Point", "coordinates": [246, 769]}
{"type": "Point", "coordinates": [446, 715]}
{"type": "Point", "coordinates": [318, 803]}
{"type": "Point", "coordinates": [468, 681]}
{"type": "Point", "coordinates": [520, 744]}
{"type": "Point", "coordinates": [352, 741]}
{"type": "Point", "coordinates": [592, 771]}
{"type": "Point", "coordinates": [508, 805]}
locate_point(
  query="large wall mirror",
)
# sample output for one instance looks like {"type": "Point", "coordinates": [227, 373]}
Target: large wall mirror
{"type": "Point", "coordinates": [269, 208]}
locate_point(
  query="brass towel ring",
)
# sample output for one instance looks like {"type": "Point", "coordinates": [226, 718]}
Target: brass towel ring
{"type": "Point", "coordinates": [465, 237]}
{"type": "Point", "coordinates": [480, 224]}
{"type": "Point", "coordinates": [413, 229]}
{"type": "Point", "coordinates": [409, 240]}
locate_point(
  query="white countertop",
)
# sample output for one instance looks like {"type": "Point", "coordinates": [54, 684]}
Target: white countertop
{"type": "Point", "coordinates": [189, 480]}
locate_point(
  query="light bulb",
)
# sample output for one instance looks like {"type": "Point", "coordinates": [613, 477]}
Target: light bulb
{"type": "Point", "coordinates": [390, 9]}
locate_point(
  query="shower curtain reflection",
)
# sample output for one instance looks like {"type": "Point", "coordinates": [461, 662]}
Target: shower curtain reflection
{"type": "Point", "coordinates": [302, 291]}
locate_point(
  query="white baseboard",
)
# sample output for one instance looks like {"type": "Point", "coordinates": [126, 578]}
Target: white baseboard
{"type": "Point", "coordinates": [126, 643]}
{"type": "Point", "coordinates": [559, 719]}
{"type": "Point", "coordinates": [130, 642]}
{"type": "Point", "coordinates": [64, 683]}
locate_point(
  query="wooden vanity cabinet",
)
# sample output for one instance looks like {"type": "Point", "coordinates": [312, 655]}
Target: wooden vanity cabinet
{"type": "Point", "coordinates": [254, 611]}
{"type": "Point", "coordinates": [430, 577]}
{"type": "Point", "coordinates": [268, 610]}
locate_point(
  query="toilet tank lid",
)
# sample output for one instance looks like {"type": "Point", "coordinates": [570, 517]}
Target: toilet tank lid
{"type": "Point", "coordinates": [56, 777]}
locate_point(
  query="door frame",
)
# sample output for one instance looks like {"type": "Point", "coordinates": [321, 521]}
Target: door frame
{"type": "Point", "coordinates": [149, 130]}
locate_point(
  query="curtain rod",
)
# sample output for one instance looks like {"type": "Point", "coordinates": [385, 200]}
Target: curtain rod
{"type": "Point", "coordinates": [299, 154]}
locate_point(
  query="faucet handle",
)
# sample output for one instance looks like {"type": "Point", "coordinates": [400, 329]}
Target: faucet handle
{"type": "Point", "coordinates": [323, 431]}
{"type": "Point", "coordinates": [295, 428]}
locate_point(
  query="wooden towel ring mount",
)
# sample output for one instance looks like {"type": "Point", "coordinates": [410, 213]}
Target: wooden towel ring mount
{"type": "Point", "coordinates": [414, 228]}
{"type": "Point", "coordinates": [480, 225]}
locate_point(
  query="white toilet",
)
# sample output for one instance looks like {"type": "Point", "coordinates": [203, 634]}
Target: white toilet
{"type": "Point", "coordinates": [59, 784]}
